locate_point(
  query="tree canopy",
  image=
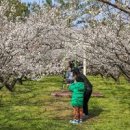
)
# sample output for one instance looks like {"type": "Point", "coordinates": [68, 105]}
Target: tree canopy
{"type": "Point", "coordinates": [15, 9]}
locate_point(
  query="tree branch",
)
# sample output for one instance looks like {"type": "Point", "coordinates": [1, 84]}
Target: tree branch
{"type": "Point", "coordinates": [117, 6]}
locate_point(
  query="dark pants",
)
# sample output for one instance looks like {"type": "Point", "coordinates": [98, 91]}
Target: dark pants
{"type": "Point", "coordinates": [87, 96]}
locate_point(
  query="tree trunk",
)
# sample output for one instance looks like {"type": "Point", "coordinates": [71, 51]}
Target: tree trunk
{"type": "Point", "coordinates": [11, 85]}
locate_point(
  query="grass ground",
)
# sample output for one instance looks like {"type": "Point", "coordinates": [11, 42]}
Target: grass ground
{"type": "Point", "coordinates": [30, 107]}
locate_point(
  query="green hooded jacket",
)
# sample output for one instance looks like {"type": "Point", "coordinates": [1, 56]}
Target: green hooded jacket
{"type": "Point", "coordinates": [77, 90]}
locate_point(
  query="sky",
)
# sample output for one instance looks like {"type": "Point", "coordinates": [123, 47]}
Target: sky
{"type": "Point", "coordinates": [77, 22]}
{"type": "Point", "coordinates": [39, 1]}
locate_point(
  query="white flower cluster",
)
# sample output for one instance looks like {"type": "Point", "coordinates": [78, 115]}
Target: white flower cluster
{"type": "Point", "coordinates": [41, 44]}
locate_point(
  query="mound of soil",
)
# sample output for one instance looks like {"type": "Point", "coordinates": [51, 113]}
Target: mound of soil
{"type": "Point", "coordinates": [68, 94]}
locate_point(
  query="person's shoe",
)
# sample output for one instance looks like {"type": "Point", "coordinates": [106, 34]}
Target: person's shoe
{"type": "Point", "coordinates": [81, 120]}
{"type": "Point", "coordinates": [74, 121]}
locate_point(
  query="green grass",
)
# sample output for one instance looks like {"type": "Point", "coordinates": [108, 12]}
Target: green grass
{"type": "Point", "coordinates": [31, 107]}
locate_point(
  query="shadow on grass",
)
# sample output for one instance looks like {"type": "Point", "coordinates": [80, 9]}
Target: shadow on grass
{"type": "Point", "coordinates": [94, 112]}
{"type": "Point", "coordinates": [67, 115]}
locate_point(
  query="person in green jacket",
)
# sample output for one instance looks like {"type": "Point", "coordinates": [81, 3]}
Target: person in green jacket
{"type": "Point", "coordinates": [77, 88]}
